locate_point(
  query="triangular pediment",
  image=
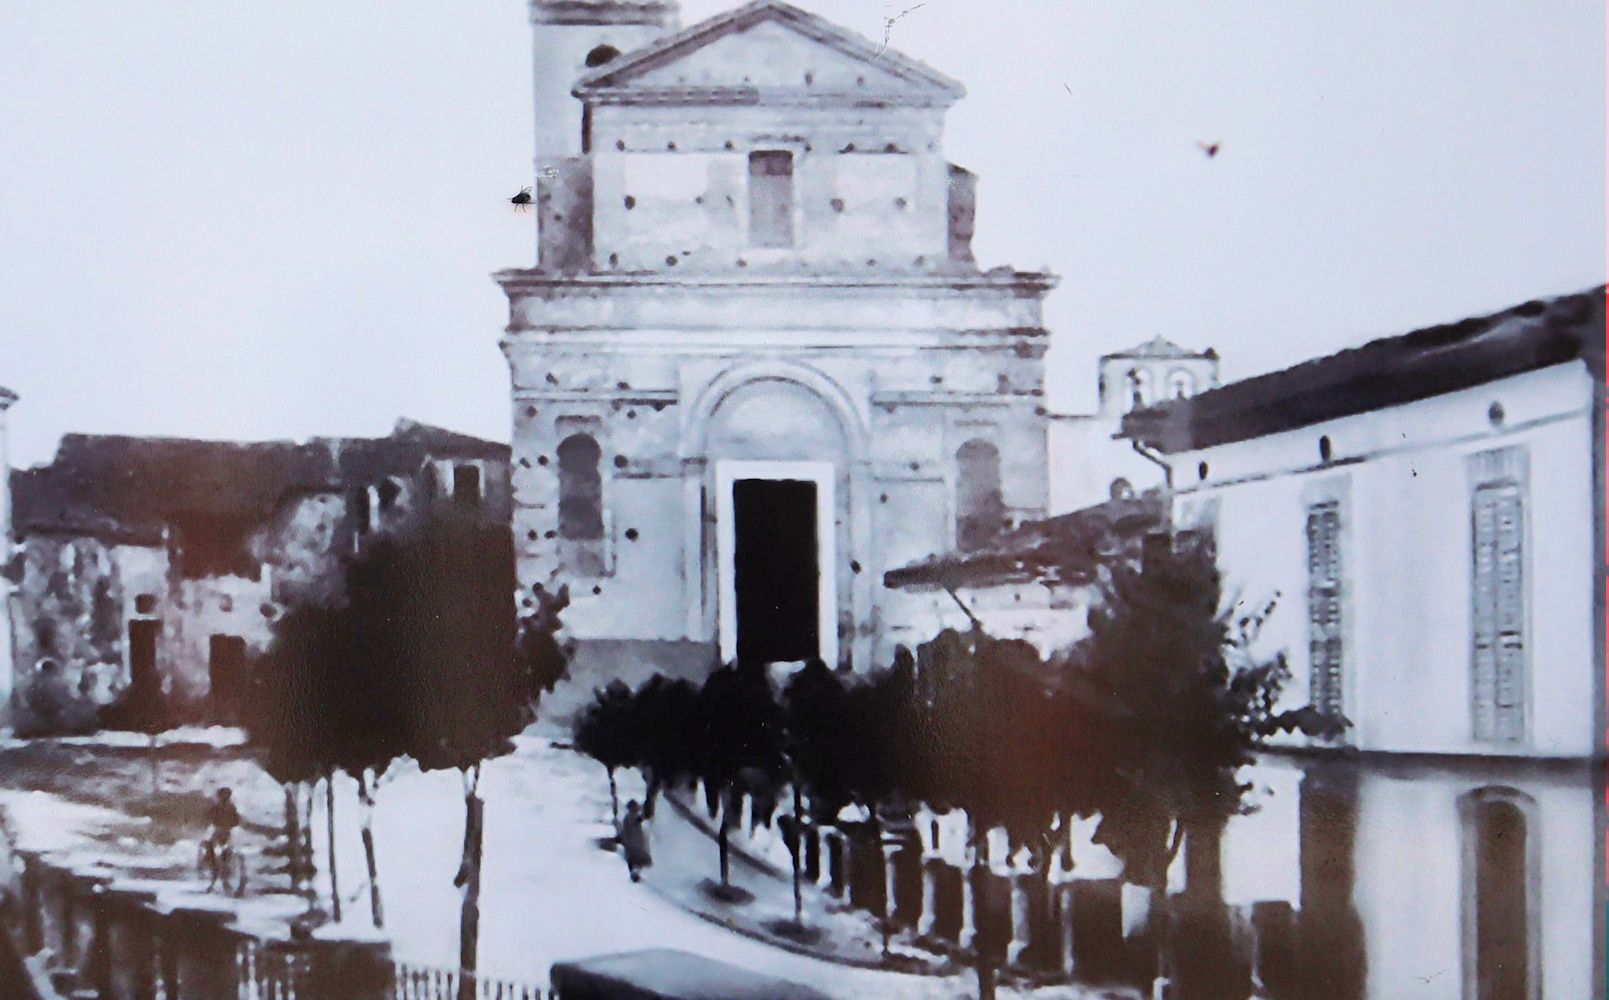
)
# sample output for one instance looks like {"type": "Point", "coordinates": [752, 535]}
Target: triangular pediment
{"type": "Point", "coordinates": [1159, 347]}
{"type": "Point", "coordinates": [769, 47]}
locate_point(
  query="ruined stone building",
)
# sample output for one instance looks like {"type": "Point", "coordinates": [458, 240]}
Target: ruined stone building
{"type": "Point", "coordinates": [756, 364]}
{"type": "Point", "coordinates": [165, 562]}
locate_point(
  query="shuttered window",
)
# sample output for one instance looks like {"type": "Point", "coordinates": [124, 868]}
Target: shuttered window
{"type": "Point", "coordinates": [1498, 597]}
{"type": "Point", "coordinates": [771, 198]}
{"type": "Point", "coordinates": [1324, 606]}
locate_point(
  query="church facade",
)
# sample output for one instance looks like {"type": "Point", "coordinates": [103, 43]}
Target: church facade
{"type": "Point", "coordinates": [756, 364]}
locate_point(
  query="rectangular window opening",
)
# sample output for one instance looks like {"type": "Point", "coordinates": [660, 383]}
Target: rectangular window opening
{"type": "Point", "coordinates": [771, 198]}
{"type": "Point", "coordinates": [1498, 612]}
{"type": "Point", "coordinates": [1324, 606]}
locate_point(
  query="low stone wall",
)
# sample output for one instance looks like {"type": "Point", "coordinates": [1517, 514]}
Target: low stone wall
{"type": "Point", "coordinates": [1054, 926]}
{"type": "Point", "coordinates": [92, 931]}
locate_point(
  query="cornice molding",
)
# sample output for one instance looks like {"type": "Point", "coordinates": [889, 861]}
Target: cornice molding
{"type": "Point", "coordinates": [750, 96]}
{"type": "Point", "coordinates": [525, 280]}
{"type": "Point", "coordinates": [593, 12]}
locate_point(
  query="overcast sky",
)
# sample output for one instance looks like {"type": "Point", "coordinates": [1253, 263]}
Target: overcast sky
{"type": "Point", "coordinates": [278, 219]}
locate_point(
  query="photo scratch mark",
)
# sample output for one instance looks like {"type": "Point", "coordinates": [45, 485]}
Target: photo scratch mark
{"type": "Point", "coordinates": [889, 22]}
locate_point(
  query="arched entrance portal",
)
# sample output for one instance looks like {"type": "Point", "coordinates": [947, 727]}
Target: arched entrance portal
{"type": "Point", "coordinates": [777, 470]}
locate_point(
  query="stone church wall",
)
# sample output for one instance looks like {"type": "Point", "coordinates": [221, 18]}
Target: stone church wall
{"type": "Point", "coordinates": [777, 268]}
{"type": "Point", "coordinates": [871, 189]}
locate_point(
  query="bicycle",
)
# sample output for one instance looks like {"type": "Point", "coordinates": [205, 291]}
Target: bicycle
{"type": "Point", "coordinates": [222, 868]}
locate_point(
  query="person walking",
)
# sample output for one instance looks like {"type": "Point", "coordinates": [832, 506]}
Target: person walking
{"type": "Point", "coordinates": [217, 853]}
{"type": "Point", "coordinates": [223, 817]}
{"type": "Point", "coordinates": [634, 841]}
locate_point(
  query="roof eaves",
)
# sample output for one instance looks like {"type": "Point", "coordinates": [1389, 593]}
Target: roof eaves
{"type": "Point", "coordinates": [1388, 371]}
{"type": "Point", "coordinates": [1058, 550]}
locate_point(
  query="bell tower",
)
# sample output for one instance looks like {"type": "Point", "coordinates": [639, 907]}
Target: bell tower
{"type": "Point", "coordinates": [572, 38]}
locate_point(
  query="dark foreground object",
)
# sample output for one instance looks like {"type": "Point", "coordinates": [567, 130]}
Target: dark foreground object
{"type": "Point", "coordinates": [663, 974]}
{"type": "Point", "coordinates": [14, 981]}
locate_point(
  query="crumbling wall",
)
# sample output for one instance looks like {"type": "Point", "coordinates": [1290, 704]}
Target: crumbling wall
{"type": "Point", "coordinates": [197, 610]}
{"type": "Point", "coordinates": [72, 599]}
{"type": "Point", "coordinates": [207, 543]}
{"type": "Point", "coordinates": [302, 547]}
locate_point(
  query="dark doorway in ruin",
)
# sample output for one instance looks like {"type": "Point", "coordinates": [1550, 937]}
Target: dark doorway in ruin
{"type": "Point", "coordinates": [466, 485]}
{"type": "Point", "coordinates": [143, 707]}
{"type": "Point", "coordinates": [226, 666]}
{"type": "Point", "coordinates": [144, 681]}
{"type": "Point", "coordinates": [775, 571]}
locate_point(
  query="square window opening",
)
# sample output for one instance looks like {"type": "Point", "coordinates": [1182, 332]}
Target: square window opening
{"type": "Point", "coordinates": [771, 198]}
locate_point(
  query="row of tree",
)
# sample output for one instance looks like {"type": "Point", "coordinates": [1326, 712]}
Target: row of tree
{"type": "Point", "coordinates": [1144, 724]}
{"type": "Point", "coordinates": [419, 655]}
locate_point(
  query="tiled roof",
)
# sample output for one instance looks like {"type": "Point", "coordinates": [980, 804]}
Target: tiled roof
{"type": "Point", "coordinates": [1383, 373]}
{"type": "Point", "coordinates": [1067, 549]}
{"type": "Point", "coordinates": [130, 488]}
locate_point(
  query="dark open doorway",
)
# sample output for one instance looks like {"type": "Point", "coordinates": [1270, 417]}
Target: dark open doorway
{"type": "Point", "coordinates": [1502, 916]}
{"type": "Point", "coordinates": [227, 673]}
{"type": "Point", "coordinates": [144, 681]}
{"type": "Point", "coordinates": [775, 571]}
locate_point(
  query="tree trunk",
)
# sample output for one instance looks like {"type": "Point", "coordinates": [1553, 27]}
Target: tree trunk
{"type": "Point", "coordinates": [882, 862]}
{"type": "Point", "coordinates": [725, 849]}
{"type": "Point", "coordinates": [798, 856]}
{"type": "Point", "coordinates": [985, 979]}
{"type": "Point", "coordinates": [614, 799]}
{"type": "Point", "coordinates": [650, 795]}
{"type": "Point", "coordinates": [366, 818]}
{"type": "Point", "coordinates": [469, 881]}
{"type": "Point", "coordinates": [295, 865]}
{"type": "Point", "coordinates": [983, 938]}
{"type": "Point", "coordinates": [1160, 917]}
{"type": "Point", "coordinates": [1160, 920]}
{"type": "Point", "coordinates": [329, 823]}
{"type": "Point", "coordinates": [310, 872]}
